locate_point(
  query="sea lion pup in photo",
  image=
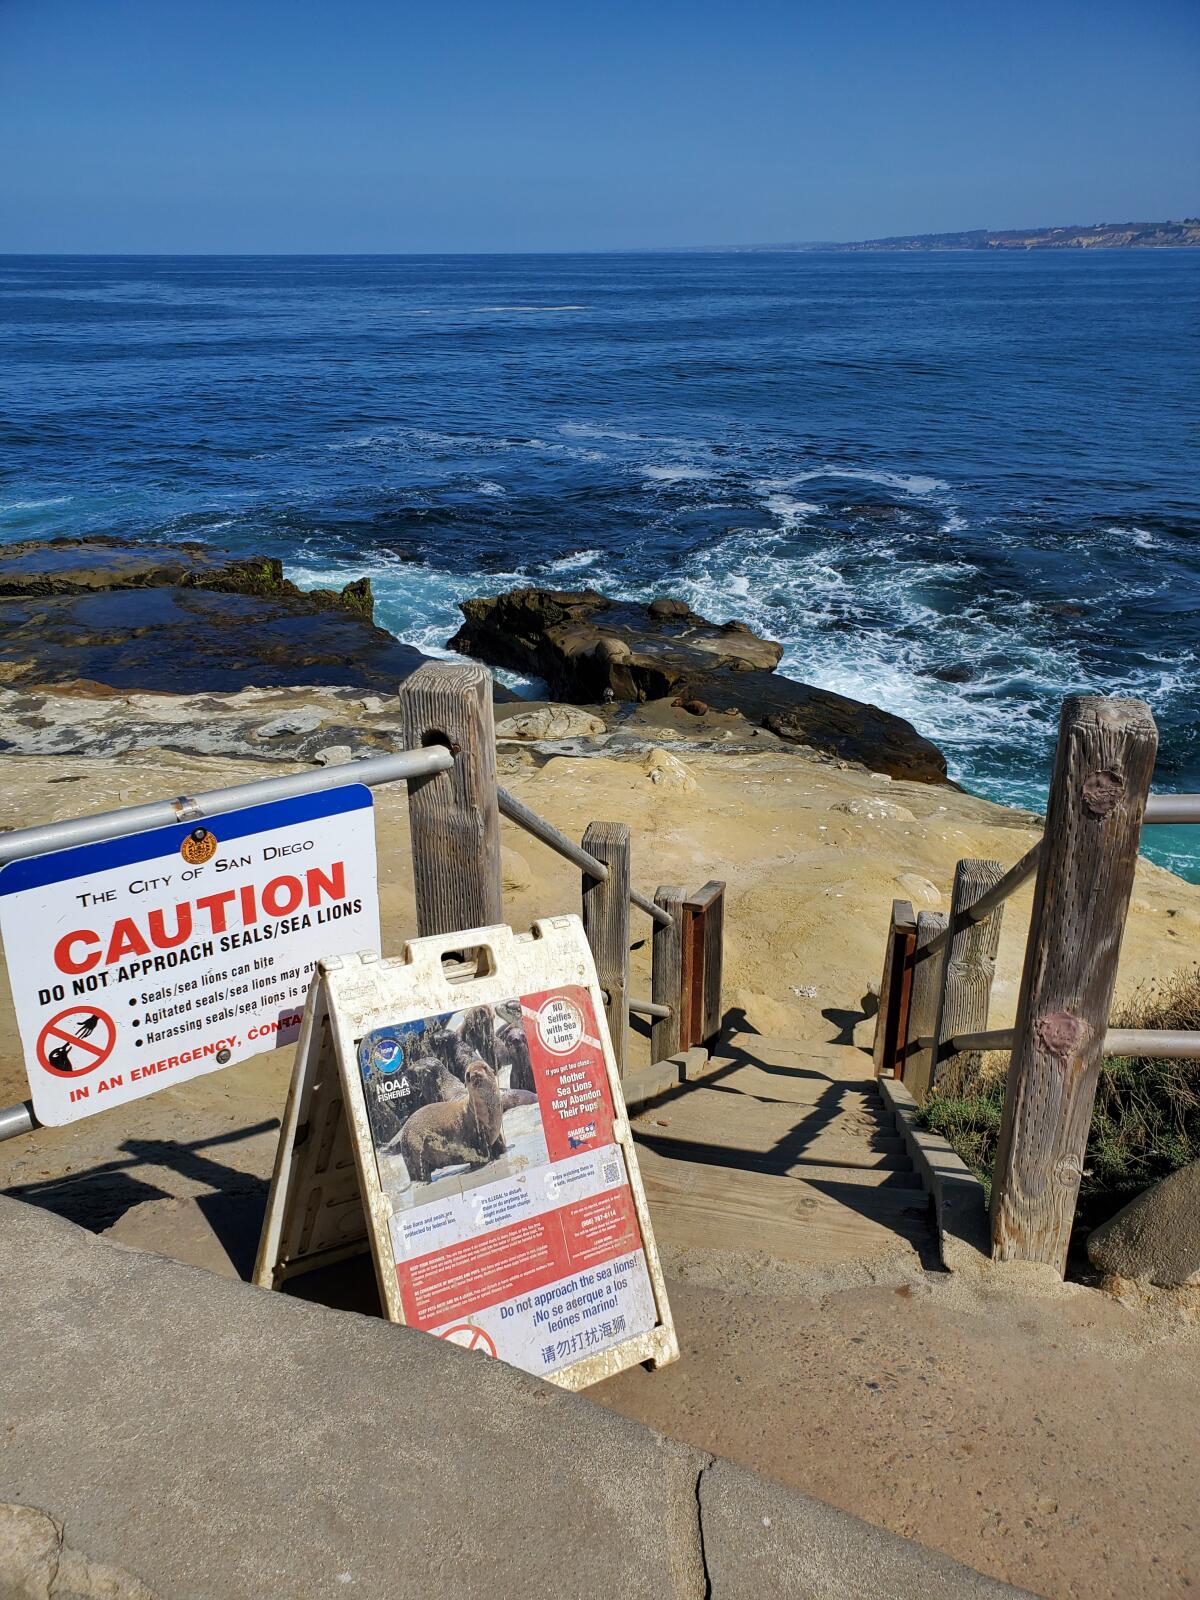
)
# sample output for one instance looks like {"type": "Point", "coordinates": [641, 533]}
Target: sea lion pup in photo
{"type": "Point", "coordinates": [452, 1132]}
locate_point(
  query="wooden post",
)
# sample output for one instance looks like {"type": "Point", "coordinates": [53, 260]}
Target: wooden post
{"type": "Point", "coordinates": [667, 975]}
{"type": "Point", "coordinates": [1102, 771]}
{"type": "Point", "coordinates": [970, 965]}
{"type": "Point", "coordinates": [606, 923]}
{"type": "Point", "coordinates": [923, 1006]}
{"type": "Point", "coordinates": [453, 817]}
{"type": "Point", "coordinates": [702, 954]}
{"type": "Point", "coordinates": [895, 987]}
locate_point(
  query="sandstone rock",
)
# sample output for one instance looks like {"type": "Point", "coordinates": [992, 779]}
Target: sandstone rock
{"type": "Point", "coordinates": [919, 890]}
{"type": "Point", "coordinates": [550, 722]}
{"type": "Point", "coordinates": [874, 807]}
{"type": "Point", "coordinates": [514, 870]}
{"type": "Point", "coordinates": [293, 722]}
{"type": "Point", "coordinates": [668, 771]}
{"type": "Point", "coordinates": [668, 610]}
{"type": "Point", "coordinates": [36, 1565]}
{"type": "Point", "coordinates": [1156, 1236]}
{"type": "Point", "coordinates": [334, 755]}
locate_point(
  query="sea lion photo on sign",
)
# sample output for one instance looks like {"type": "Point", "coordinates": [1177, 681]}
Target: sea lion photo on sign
{"type": "Point", "coordinates": [451, 1102]}
{"type": "Point", "coordinates": [453, 1131]}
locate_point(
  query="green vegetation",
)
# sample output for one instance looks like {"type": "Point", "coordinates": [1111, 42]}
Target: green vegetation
{"type": "Point", "coordinates": [1146, 1121]}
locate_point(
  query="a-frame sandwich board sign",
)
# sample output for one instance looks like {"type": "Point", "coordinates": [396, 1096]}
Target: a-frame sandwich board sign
{"type": "Point", "coordinates": [457, 1111]}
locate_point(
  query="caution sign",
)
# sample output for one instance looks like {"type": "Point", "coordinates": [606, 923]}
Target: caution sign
{"type": "Point", "coordinates": [144, 961]}
{"type": "Point", "coordinates": [482, 1121]}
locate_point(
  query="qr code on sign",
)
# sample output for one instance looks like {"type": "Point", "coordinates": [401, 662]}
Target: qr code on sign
{"type": "Point", "coordinates": [612, 1172]}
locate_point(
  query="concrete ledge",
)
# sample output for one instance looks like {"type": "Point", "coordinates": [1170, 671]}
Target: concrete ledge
{"type": "Point", "coordinates": [964, 1234]}
{"type": "Point", "coordinates": [199, 1437]}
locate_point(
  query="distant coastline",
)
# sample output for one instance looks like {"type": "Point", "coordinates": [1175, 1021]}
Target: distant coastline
{"type": "Point", "coordinates": [1094, 236]}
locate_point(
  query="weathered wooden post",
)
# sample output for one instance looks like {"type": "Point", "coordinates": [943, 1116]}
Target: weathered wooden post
{"type": "Point", "coordinates": [606, 923]}
{"type": "Point", "coordinates": [667, 974]}
{"type": "Point", "coordinates": [701, 978]}
{"type": "Point", "coordinates": [895, 987]}
{"type": "Point", "coordinates": [923, 1006]}
{"type": "Point", "coordinates": [453, 818]}
{"type": "Point", "coordinates": [1102, 771]}
{"type": "Point", "coordinates": [966, 990]}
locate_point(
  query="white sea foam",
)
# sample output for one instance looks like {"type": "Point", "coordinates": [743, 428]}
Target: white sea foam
{"type": "Point", "coordinates": [489, 488]}
{"type": "Point", "coordinates": [675, 472]}
{"type": "Point", "coordinates": [34, 505]}
{"type": "Point", "coordinates": [790, 511]}
{"type": "Point", "coordinates": [910, 483]}
{"type": "Point", "coordinates": [575, 562]}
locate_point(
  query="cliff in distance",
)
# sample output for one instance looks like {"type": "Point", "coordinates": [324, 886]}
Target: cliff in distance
{"type": "Point", "coordinates": [1093, 236]}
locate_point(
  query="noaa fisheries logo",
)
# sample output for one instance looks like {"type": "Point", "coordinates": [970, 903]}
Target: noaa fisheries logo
{"type": "Point", "coordinates": [387, 1055]}
{"type": "Point", "coordinates": [198, 847]}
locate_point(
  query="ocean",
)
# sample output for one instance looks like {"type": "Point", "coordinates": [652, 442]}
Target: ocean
{"type": "Point", "coordinates": [960, 486]}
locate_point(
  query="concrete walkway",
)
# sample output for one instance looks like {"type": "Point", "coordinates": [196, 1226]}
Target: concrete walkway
{"type": "Point", "coordinates": [171, 1433]}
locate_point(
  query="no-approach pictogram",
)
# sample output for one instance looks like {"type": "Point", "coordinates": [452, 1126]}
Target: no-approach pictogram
{"type": "Point", "coordinates": [76, 1041]}
{"type": "Point", "coordinates": [470, 1338]}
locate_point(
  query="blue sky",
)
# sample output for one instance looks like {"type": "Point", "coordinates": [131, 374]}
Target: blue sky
{"type": "Point", "coordinates": [358, 125]}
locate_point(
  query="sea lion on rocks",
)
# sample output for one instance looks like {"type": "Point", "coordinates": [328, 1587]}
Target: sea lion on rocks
{"type": "Point", "coordinates": [518, 1097]}
{"type": "Point", "coordinates": [453, 1132]}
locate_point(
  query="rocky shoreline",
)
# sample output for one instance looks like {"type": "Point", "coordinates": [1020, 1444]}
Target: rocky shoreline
{"type": "Point", "coordinates": [107, 645]}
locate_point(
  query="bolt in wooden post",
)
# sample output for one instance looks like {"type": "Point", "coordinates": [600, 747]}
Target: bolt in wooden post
{"type": "Point", "coordinates": [923, 1006]}
{"type": "Point", "coordinates": [1102, 771]}
{"type": "Point", "coordinates": [667, 975]}
{"type": "Point", "coordinates": [453, 818]}
{"type": "Point", "coordinates": [895, 987]}
{"type": "Point", "coordinates": [606, 923]}
{"type": "Point", "coordinates": [970, 967]}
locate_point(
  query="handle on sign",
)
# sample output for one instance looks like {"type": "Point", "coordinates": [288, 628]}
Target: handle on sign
{"type": "Point", "coordinates": [428, 955]}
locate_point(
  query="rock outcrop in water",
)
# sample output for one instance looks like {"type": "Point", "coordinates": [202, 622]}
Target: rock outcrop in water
{"type": "Point", "coordinates": [588, 647]}
{"type": "Point", "coordinates": [183, 618]}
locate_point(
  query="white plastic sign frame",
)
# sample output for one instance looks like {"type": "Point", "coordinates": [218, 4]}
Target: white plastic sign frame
{"type": "Point", "coordinates": [542, 1254]}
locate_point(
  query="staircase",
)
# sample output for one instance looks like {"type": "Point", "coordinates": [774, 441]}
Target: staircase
{"type": "Point", "coordinates": [777, 1147]}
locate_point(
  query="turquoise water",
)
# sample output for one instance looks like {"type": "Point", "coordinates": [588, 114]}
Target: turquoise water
{"type": "Point", "coordinates": [960, 486]}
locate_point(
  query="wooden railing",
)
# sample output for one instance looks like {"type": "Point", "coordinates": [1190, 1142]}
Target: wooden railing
{"type": "Point", "coordinates": [938, 970]}
{"type": "Point", "coordinates": [455, 823]}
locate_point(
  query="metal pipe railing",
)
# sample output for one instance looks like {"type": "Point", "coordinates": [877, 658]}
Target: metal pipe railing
{"type": "Point", "coordinates": [516, 811]}
{"type": "Point", "coordinates": [1160, 808]}
{"type": "Point", "coordinates": [1172, 808]}
{"type": "Point", "coordinates": [1178, 1043]}
{"type": "Point", "coordinates": [650, 1008]}
{"type": "Point", "coordinates": [22, 842]}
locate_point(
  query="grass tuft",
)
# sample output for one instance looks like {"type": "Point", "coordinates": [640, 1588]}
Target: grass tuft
{"type": "Point", "coordinates": [1146, 1120]}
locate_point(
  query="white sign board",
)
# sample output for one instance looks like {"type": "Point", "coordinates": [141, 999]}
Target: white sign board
{"type": "Point", "coordinates": [470, 1130]}
{"type": "Point", "coordinates": [140, 962]}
